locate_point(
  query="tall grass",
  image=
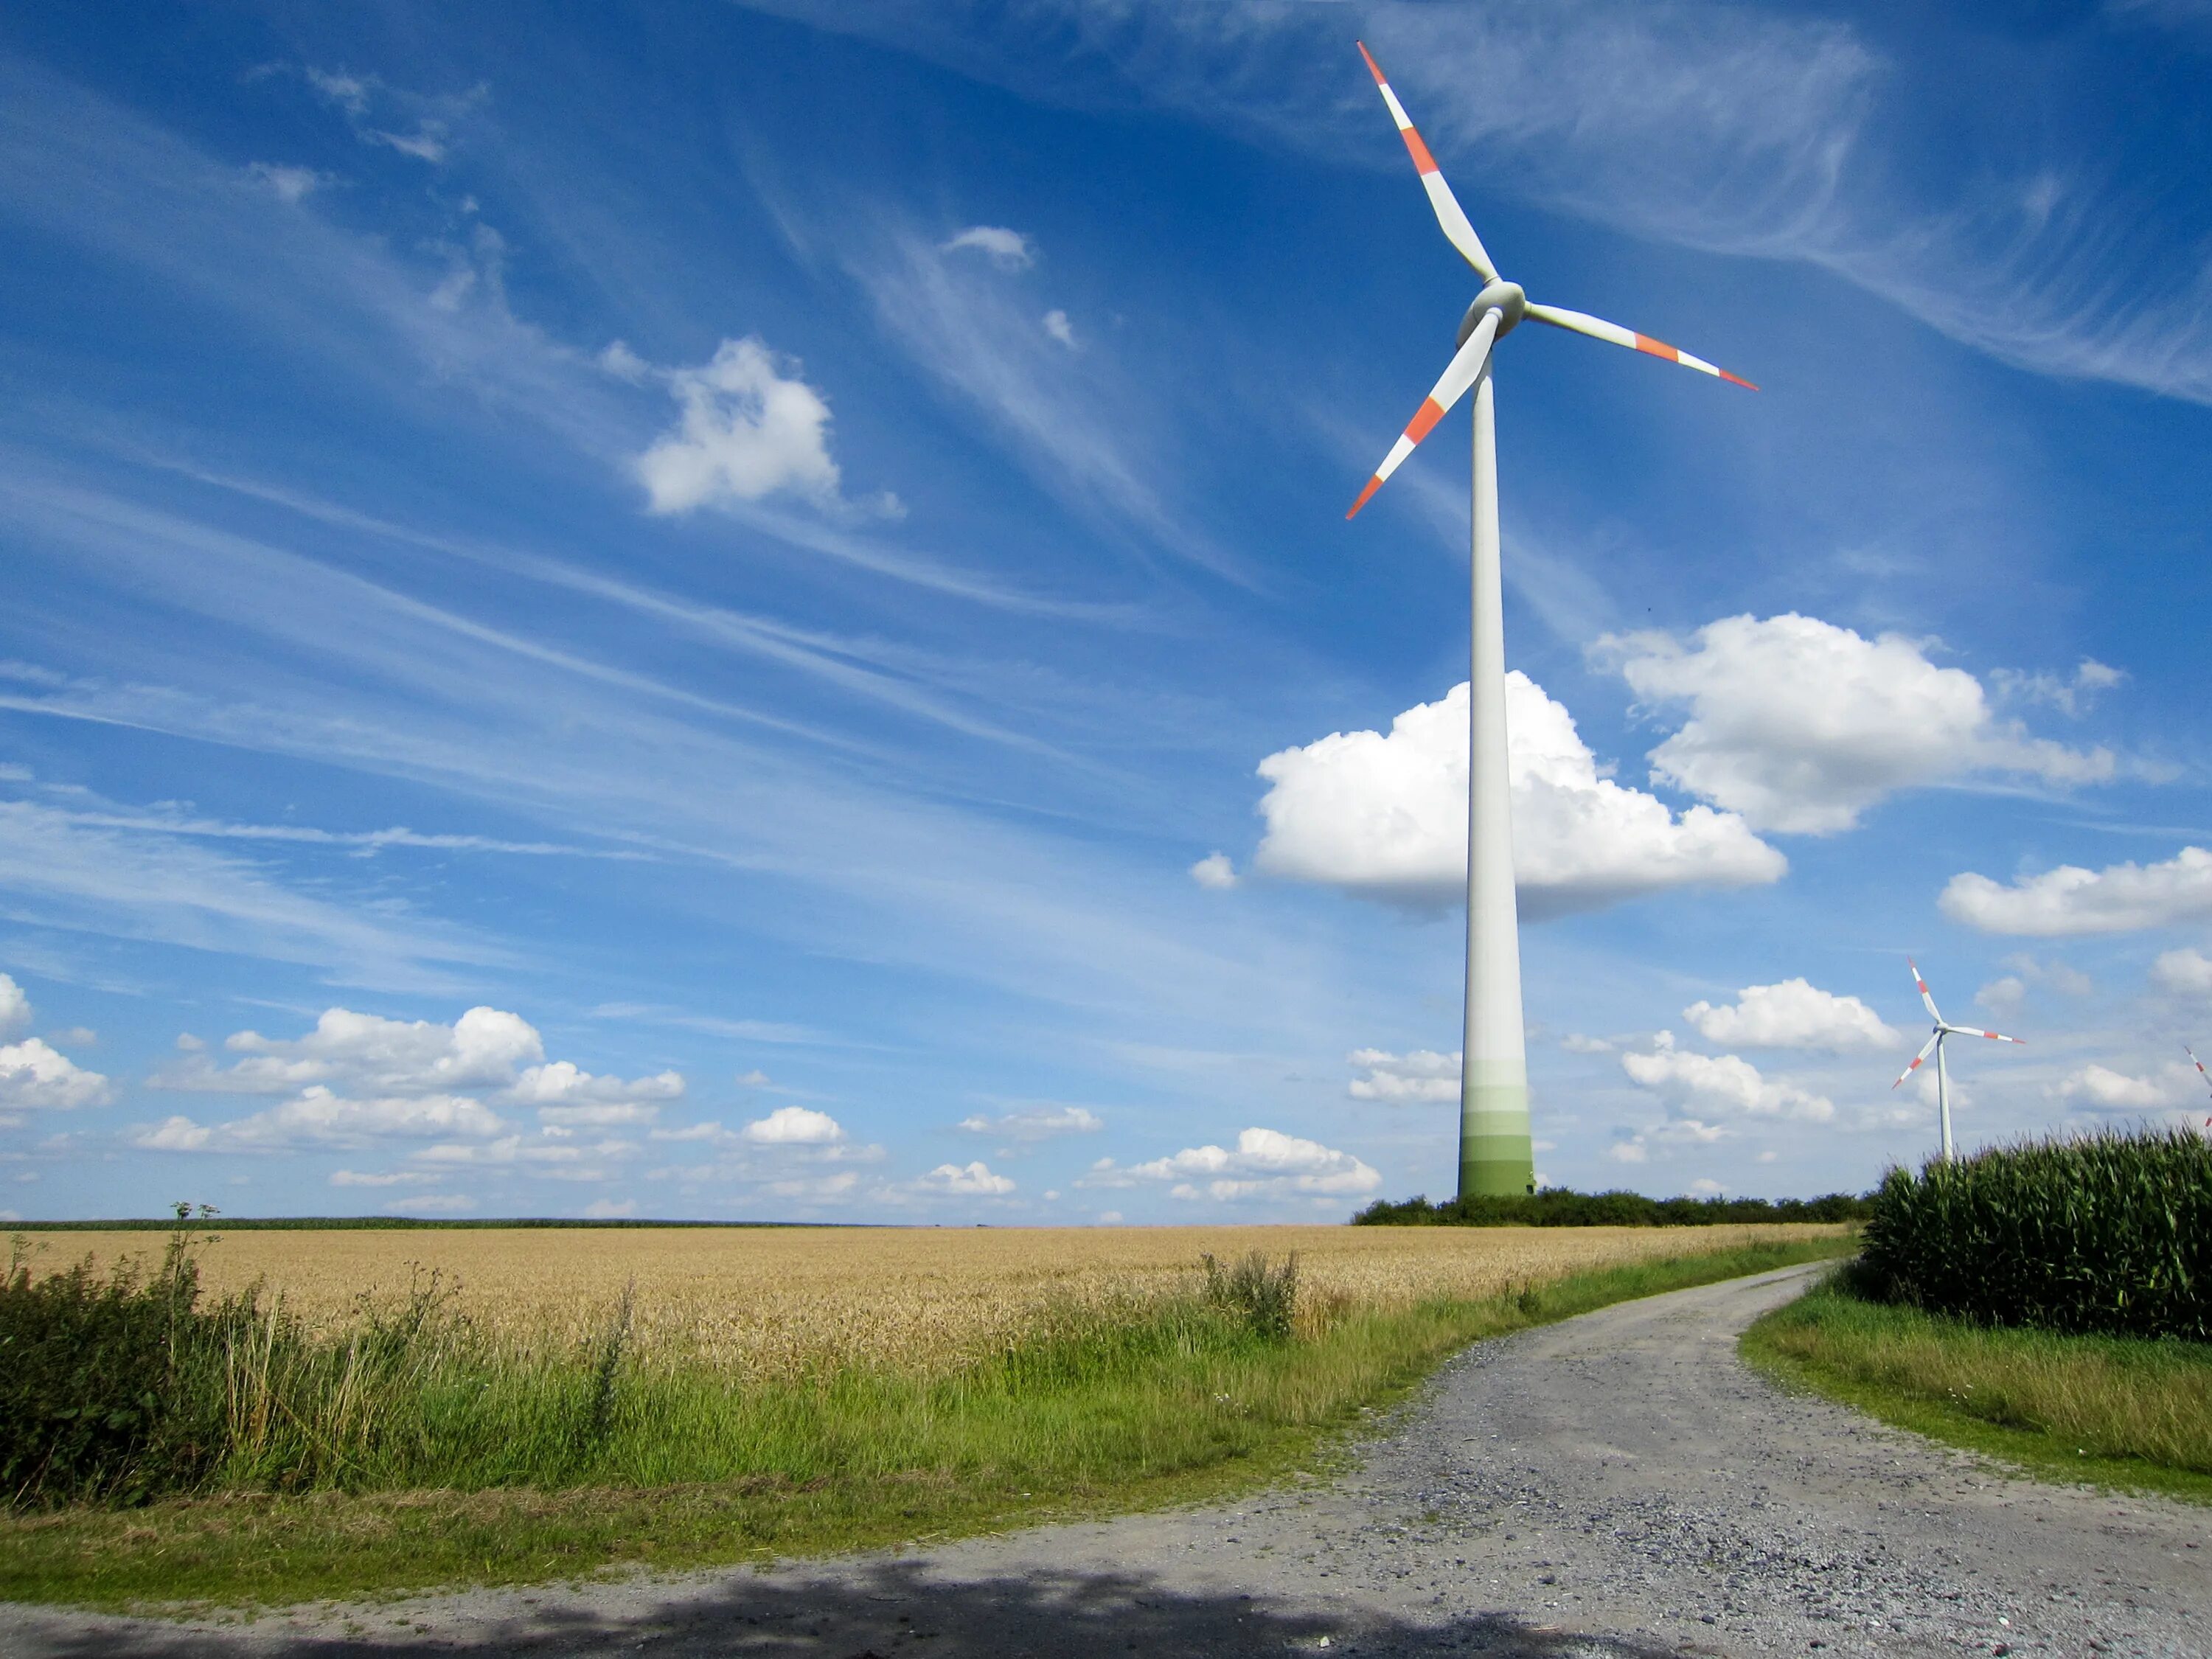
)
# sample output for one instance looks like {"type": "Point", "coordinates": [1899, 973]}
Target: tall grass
{"type": "Point", "coordinates": [2081, 1404]}
{"type": "Point", "coordinates": [2110, 1233]}
{"type": "Point", "coordinates": [437, 1454]}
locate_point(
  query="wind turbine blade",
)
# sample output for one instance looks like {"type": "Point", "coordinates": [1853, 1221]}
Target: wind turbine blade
{"type": "Point", "coordinates": [1922, 984]}
{"type": "Point", "coordinates": [1928, 1050]}
{"type": "Point", "coordinates": [1581, 322]}
{"type": "Point", "coordinates": [2201, 1072]}
{"type": "Point", "coordinates": [1994, 1036]}
{"type": "Point", "coordinates": [1459, 375]}
{"type": "Point", "coordinates": [1449, 212]}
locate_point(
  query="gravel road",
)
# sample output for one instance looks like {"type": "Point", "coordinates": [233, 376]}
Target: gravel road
{"type": "Point", "coordinates": [1616, 1485]}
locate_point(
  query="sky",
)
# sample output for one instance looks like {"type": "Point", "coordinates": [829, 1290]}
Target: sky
{"type": "Point", "coordinates": [744, 611]}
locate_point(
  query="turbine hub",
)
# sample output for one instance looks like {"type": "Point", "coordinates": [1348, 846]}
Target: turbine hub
{"type": "Point", "coordinates": [1501, 296]}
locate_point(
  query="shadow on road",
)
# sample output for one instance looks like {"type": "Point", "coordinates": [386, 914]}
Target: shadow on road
{"type": "Point", "coordinates": [887, 1611]}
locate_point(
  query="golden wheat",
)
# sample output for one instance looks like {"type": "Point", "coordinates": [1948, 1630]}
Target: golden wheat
{"type": "Point", "coordinates": [781, 1302]}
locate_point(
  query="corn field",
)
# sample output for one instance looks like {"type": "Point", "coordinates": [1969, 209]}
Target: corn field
{"type": "Point", "coordinates": [2108, 1233]}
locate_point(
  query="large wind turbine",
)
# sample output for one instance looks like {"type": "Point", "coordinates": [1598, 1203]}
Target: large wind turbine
{"type": "Point", "coordinates": [1494, 1153]}
{"type": "Point", "coordinates": [1935, 1046]}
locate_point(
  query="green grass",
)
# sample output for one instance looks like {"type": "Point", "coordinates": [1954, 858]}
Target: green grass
{"type": "Point", "coordinates": [679, 1470]}
{"type": "Point", "coordinates": [2130, 1412]}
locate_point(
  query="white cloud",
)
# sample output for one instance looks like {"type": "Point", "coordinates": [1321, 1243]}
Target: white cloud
{"type": "Point", "coordinates": [32, 1075]}
{"type": "Point", "coordinates": [966, 1180]}
{"type": "Point", "coordinates": [2185, 973]}
{"type": "Point", "coordinates": [1265, 1164]}
{"type": "Point", "coordinates": [1038, 1122]}
{"type": "Point", "coordinates": [1703, 1085]}
{"type": "Point", "coordinates": [321, 1116]}
{"type": "Point", "coordinates": [2070, 902]}
{"type": "Point", "coordinates": [1419, 1078]}
{"type": "Point", "coordinates": [794, 1125]}
{"type": "Point", "coordinates": [607, 1209]}
{"type": "Point", "coordinates": [1794, 1014]}
{"type": "Point", "coordinates": [747, 430]}
{"type": "Point", "coordinates": [1800, 725]}
{"type": "Point", "coordinates": [1057, 325]}
{"type": "Point", "coordinates": [1009, 249]}
{"type": "Point", "coordinates": [290, 185]}
{"type": "Point", "coordinates": [1577, 1043]}
{"type": "Point", "coordinates": [362, 1178]}
{"type": "Point", "coordinates": [484, 1047]}
{"type": "Point", "coordinates": [1385, 817]}
{"type": "Point", "coordinates": [2068, 694]}
{"type": "Point", "coordinates": [2099, 1088]}
{"type": "Point", "coordinates": [1214, 871]}
{"type": "Point", "coordinates": [171, 1135]}
{"type": "Point", "coordinates": [432, 1204]}
{"type": "Point", "coordinates": [15, 1007]}
{"type": "Point", "coordinates": [564, 1094]}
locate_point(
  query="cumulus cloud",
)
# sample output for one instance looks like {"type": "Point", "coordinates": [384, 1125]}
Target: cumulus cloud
{"type": "Point", "coordinates": [2068, 694]}
{"type": "Point", "coordinates": [1009, 249]}
{"type": "Point", "coordinates": [1214, 871]}
{"type": "Point", "coordinates": [2183, 973]}
{"type": "Point", "coordinates": [2070, 902]}
{"type": "Point", "coordinates": [33, 1075]}
{"type": "Point", "coordinates": [969, 1180]}
{"type": "Point", "coordinates": [1385, 816]}
{"type": "Point", "coordinates": [484, 1047]}
{"type": "Point", "coordinates": [1794, 1014]}
{"type": "Point", "coordinates": [794, 1125]}
{"type": "Point", "coordinates": [747, 429]}
{"type": "Point", "coordinates": [319, 1116]}
{"type": "Point", "coordinates": [2099, 1088]}
{"type": "Point", "coordinates": [15, 1007]}
{"type": "Point", "coordinates": [1265, 1164]}
{"type": "Point", "coordinates": [1422, 1077]}
{"type": "Point", "coordinates": [1036, 1122]}
{"type": "Point", "coordinates": [1057, 325]}
{"type": "Point", "coordinates": [1800, 725]}
{"type": "Point", "coordinates": [564, 1094]}
{"type": "Point", "coordinates": [1700, 1086]}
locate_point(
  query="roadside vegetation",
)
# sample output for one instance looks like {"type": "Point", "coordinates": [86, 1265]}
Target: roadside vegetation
{"type": "Point", "coordinates": [2049, 1302]}
{"type": "Point", "coordinates": [2129, 1412]}
{"type": "Point", "coordinates": [1558, 1206]}
{"type": "Point", "coordinates": [173, 1446]}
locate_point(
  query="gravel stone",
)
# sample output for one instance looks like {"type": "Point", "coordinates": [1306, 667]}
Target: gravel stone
{"type": "Point", "coordinates": [1618, 1486]}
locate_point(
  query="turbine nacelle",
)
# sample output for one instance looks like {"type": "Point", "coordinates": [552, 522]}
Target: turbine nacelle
{"type": "Point", "coordinates": [1501, 296]}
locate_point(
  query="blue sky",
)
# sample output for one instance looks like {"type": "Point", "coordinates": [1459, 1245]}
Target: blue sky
{"type": "Point", "coordinates": [744, 610]}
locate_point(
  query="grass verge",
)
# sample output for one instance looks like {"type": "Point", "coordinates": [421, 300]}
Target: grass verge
{"type": "Point", "coordinates": [1057, 1431]}
{"type": "Point", "coordinates": [2129, 1413]}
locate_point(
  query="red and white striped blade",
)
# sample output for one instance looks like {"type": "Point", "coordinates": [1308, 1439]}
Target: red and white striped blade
{"type": "Point", "coordinates": [1459, 375]}
{"type": "Point", "coordinates": [2199, 1065]}
{"type": "Point", "coordinates": [1994, 1036]}
{"type": "Point", "coordinates": [1923, 985]}
{"type": "Point", "coordinates": [1597, 328]}
{"type": "Point", "coordinates": [1917, 1058]}
{"type": "Point", "coordinates": [1449, 212]}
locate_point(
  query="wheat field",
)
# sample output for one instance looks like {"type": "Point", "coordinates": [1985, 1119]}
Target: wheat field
{"type": "Point", "coordinates": [782, 1303]}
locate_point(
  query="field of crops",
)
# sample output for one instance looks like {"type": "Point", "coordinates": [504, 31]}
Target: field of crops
{"type": "Point", "coordinates": [779, 1303]}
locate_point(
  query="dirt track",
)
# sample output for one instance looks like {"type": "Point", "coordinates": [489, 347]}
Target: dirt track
{"type": "Point", "coordinates": [1618, 1485]}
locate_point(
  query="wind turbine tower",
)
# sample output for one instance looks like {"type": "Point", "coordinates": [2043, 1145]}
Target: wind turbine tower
{"type": "Point", "coordinates": [1935, 1046]}
{"type": "Point", "coordinates": [1495, 1157]}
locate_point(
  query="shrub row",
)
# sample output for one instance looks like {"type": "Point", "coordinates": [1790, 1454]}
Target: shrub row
{"type": "Point", "coordinates": [1558, 1206]}
{"type": "Point", "coordinates": [2109, 1232]}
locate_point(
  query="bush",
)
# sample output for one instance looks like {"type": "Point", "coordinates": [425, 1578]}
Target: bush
{"type": "Point", "coordinates": [1558, 1207]}
{"type": "Point", "coordinates": [2110, 1233]}
{"type": "Point", "coordinates": [1259, 1296]}
{"type": "Point", "coordinates": [110, 1388]}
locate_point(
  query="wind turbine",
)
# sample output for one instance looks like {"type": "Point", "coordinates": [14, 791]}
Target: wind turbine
{"type": "Point", "coordinates": [1494, 1153]}
{"type": "Point", "coordinates": [1935, 1046]}
{"type": "Point", "coordinates": [2201, 1072]}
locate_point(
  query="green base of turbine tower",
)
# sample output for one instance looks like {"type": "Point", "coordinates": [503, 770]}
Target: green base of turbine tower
{"type": "Point", "coordinates": [1495, 1157]}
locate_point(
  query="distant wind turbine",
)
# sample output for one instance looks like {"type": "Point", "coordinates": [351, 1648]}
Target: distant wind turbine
{"type": "Point", "coordinates": [1494, 1152]}
{"type": "Point", "coordinates": [2201, 1072]}
{"type": "Point", "coordinates": [1935, 1046]}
